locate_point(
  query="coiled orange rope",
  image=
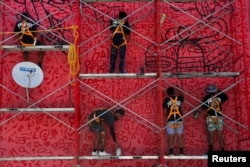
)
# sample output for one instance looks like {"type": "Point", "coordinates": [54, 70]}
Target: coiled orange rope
{"type": "Point", "coordinates": [73, 55]}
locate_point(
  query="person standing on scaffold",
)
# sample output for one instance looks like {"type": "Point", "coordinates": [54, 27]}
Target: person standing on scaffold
{"type": "Point", "coordinates": [27, 35]}
{"type": "Point", "coordinates": [120, 29]}
{"type": "Point", "coordinates": [214, 121]}
{"type": "Point", "coordinates": [172, 105]}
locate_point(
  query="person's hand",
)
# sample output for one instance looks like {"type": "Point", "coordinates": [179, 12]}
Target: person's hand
{"type": "Point", "coordinates": [196, 114]}
{"type": "Point", "coordinates": [114, 23]}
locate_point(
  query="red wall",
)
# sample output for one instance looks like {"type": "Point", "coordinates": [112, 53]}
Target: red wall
{"type": "Point", "coordinates": [219, 44]}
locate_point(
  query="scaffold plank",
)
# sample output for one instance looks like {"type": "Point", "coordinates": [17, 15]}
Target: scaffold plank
{"type": "Point", "coordinates": [35, 48]}
{"type": "Point", "coordinates": [200, 74]}
{"type": "Point", "coordinates": [36, 158]}
{"type": "Point", "coordinates": [118, 75]}
{"type": "Point", "coordinates": [140, 0]}
{"type": "Point", "coordinates": [145, 157]}
{"type": "Point", "coordinates": [187, 157]}
{"type": "Point", "coordinates": [164, 75]}
{"type": "Point", "coordinates": [37, 109]}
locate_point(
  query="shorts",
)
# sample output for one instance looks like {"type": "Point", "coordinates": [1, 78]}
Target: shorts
{"type": "Point", "coordinates": [214, 123]}
{"type": "Point", "coordinates": [29, 40]}
{"type": "Point", "coordinates": [95, 126]}
{"type": "Point", "coordinates": [174, 127]}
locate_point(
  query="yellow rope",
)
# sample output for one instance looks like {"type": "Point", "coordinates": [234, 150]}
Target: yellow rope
{"type": "Point", "coordinates": [73, 55]}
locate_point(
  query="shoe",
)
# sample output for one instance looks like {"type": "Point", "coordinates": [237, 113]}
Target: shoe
{"type": "Point", "coordinates": [181, 152]}
{"type": "Point", "coordinates": [95, 153]}
{"type": "Point", "coordinates": [171, 152]}
{"type": "Point", "coordinates": [104, 153]}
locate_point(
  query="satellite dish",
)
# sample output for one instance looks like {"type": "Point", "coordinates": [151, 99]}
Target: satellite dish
{"type": "Point", "coordinates": [27, 74]}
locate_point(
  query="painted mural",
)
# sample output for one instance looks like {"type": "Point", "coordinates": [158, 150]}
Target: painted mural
{"type": "Point", "coordinates": [194, 36]}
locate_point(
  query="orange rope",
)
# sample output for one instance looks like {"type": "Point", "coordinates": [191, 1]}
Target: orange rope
{"type": "Point", "coordinates": [73, 54]}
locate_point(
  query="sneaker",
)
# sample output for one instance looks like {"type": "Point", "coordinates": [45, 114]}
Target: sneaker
{"type": "Point", "coordinates": [95, 153]}
{"type": "Point", "coordinates": [181, 152]}
{"type": "Point", "coordinates": [104, 153]}
{"type": "Point", "coordinates": [171, 152]}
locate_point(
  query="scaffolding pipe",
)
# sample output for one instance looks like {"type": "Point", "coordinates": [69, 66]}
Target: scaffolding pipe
{"type": "Point", "coordinates": [203, 103]}
{"type": "Point", "coordinates": [189, 28]}
{"type": "Point", "coordinates": [201, 21]}
{"type": "Point", "coordinates": [132, 113]}
{"type": "Point", "coordinates": [1, 58]}
{"type": "Point", "coordinates": [77, 88]}
{"type": "Point", "coordinates": [120, 103]}
{"type": "Point", "coordinates": [37, 22]}
{"type": "Point", "coordinates": [246, 64]}
{"type": "Point", "coordinates": [158, 22]}
{"type": "Point", "coordinates": [33, 104]}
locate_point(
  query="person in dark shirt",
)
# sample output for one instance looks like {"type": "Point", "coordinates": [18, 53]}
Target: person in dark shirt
{"type": "Point", "coordinates": [214, 121]}
{"type": "Point", "coordinates": [27, 34]}
{"type": "Point", "coordinates": [172, 105]}
{"type": "Point", "coordinates": [98, 118]}
{"type": "Point", "coordinates": [120, 29]}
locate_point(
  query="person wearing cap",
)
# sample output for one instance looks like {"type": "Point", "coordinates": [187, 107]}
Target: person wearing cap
{"type": "Point", "coordinates": [212, 104]}
{"type": "Point", "coordinates": [97, 120]}
{"type": "Point", "coordinates": [172, 104]}
{"type": "Point", "coordinates": [120, 29]}
{"type": "Point", "coordinates": [26, 30]}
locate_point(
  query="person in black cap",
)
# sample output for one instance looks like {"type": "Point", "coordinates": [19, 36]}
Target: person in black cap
{"type": "Point", "coordinates": [172, 104]}
{"type": "Point", "coordinates": [120, 29]}
{"type": "Point", "coordinates": [98, 118]}
{"type": "Point", "coordinates": [26, 30]}
{"type": "Point", "coordinates": [212, 105]}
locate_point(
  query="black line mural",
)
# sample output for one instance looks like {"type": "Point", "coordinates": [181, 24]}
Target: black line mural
{"type": "Point", "coordinates": [203, 43]}
{"type": "Point", "coordinates": [52, 15]}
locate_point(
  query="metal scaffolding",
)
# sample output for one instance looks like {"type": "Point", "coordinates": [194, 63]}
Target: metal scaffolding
{"type": "Point", "coordinates": [158, 76]}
